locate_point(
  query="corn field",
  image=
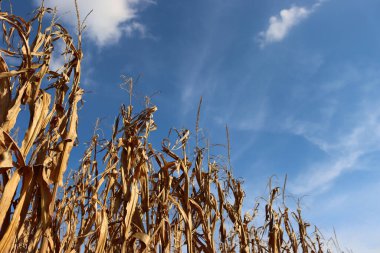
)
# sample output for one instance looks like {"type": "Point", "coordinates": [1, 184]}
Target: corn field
{"type": "Point", "coordinates": [125, 196]}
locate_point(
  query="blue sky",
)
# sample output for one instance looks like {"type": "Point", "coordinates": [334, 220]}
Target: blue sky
{"type": "Point", "coordinates": [297, 82]}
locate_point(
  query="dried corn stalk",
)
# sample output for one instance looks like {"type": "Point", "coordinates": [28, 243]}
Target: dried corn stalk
{"type": "Point", "coordinates": [35, 165]}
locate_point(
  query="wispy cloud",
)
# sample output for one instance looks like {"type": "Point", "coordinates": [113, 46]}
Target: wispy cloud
{"type": "Point", "coordinates": [343, 147]}
{"type": "Point", "coordinates": [320, 177]}
{"type": "Point", "coordinates": [135, 27]}
{"type": "Point", "coordinates": [108, 21]}
{"type": "Point", "coordinates": [280, 25]}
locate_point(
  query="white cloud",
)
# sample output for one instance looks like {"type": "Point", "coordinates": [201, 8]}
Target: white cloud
{"type": "Point", "coordinates": [108, 20]}
{"type": "Point", "coordinates": [280, 25]}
